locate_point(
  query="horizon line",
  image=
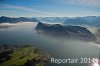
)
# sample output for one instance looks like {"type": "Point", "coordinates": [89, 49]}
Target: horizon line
{"type": "Point", "coordinates": [49, 16]}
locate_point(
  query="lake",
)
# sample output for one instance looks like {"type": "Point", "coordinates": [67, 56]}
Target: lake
{"type": "Point", "coordinates": [24, 33]}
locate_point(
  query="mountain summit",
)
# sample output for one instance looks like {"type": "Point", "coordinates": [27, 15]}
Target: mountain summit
{"type": "Point", "coordinates": [73, 32]}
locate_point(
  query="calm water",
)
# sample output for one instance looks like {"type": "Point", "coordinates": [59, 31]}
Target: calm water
{"type": "Point", "coordinates": [24, 33]}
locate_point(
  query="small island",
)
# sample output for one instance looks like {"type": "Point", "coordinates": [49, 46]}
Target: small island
{"type": "Point", "coordinates": [22, 55]}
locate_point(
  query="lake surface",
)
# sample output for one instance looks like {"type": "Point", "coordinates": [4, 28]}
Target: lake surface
{"type": "Point", "coordinates": [24, 33]}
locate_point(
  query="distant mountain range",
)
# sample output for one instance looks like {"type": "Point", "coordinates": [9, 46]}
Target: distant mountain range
{"type": "Point", "coordinates": [89, 20]}
{"type": "Point", "coordinates": [73, 32]}
{"type": "Point", "coordinates": [4, 19]}
{"type": "Point", "coordinates": [53, 19]}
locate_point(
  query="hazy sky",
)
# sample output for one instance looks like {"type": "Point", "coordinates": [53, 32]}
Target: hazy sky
{"type": "Point", "coordinates": [69, 8]}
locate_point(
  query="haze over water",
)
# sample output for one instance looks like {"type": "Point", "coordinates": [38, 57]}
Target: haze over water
{"type": "Point", "coordinates": [24, 33]}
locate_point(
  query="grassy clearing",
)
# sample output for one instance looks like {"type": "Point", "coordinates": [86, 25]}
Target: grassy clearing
{"type": "Point", "coordinates": [21, 55]}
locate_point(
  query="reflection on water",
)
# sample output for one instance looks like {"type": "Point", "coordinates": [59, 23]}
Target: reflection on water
{"type": "Point", "coordinates": [95, 62]}
{"type": "Point", "coordinates": [24, 33]}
